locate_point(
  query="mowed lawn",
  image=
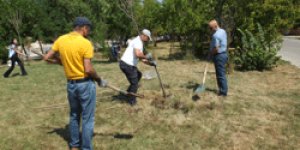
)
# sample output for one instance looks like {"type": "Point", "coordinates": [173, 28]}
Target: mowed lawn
{"type": "Point", "coordinates": [262, 110]}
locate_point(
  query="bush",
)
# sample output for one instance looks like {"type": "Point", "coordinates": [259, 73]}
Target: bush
{"type": "Point", "coordinates": [257, 51]}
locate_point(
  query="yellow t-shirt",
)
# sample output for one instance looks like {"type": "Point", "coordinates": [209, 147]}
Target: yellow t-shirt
{"type": "Point", "coordinates": [73, 48]}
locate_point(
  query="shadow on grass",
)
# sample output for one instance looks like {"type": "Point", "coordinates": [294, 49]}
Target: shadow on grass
{"type": "Point", "coordinates": [212, 90]}
{"type": "Point", "coordinates": [62, 132]}
{"type": "Point", "coordinates": [183, 56]}
{"type": "Point", "coordinates": [196, 97]}
{"type": "Point", "coordinates": [192, 85]}
{"type": "Point", "coordinates": [15, 75]}
{"type": "Point", "coordinates": [175, 56]}
{"type": "Point", "coordinates": [122, 136]}
{"type": "Point", "coordinates": [120, 98]}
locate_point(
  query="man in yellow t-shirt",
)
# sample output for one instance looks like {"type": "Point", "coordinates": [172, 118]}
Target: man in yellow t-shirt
{"type": "Point", "coordinates": [75, 53]}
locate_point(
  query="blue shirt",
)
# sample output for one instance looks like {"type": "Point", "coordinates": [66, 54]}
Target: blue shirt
{"type": "Point", "coordinates": [219, 40]}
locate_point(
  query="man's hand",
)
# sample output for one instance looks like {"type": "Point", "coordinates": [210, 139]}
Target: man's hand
{"type": "Point", "coordinates": [153, 63]}
{"type": "Point", "coordinates": [51, 57]}
{"type": "Point", "coordinates": [149, 56]}
{"type": "Point", "coordinates": [209, 57]}
{"type": "Point", "coordinates": [102, 82]}
{"type": "Point", "coordinates": [214, 51]}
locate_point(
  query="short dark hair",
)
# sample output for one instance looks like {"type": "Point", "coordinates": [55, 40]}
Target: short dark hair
{"type": "Point", "coordinates": [12, 40]}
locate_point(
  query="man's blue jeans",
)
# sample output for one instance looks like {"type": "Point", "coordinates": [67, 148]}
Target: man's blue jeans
{"type": "Point", "coordinates": [82, 100]}
{"type": "Point", "coordinates": [220, 61]}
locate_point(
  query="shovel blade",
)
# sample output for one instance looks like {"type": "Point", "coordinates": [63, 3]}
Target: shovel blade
{"type": "Point", "coordinates": [199, 89]}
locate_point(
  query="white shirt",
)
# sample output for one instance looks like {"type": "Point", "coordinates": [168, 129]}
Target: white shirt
{"type": "Point", "coordinates": [11, 50]}
{"type": "Point", "coordinates": [129, 56]}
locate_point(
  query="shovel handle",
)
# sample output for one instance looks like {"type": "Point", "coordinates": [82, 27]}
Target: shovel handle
{"type": "Point", "coordinates": [37, 53]}
{"type": "Point", "coordinates": [161, 85]}
{"type": "Point", "coordinates": [205, 72]}
{"type": "Point", "coordinates": [125, 92]}
{"type": "Point", "coordinates": [42, 55]}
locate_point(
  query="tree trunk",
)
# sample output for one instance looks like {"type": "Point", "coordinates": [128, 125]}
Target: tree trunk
{"type": "Point", "coordinates": [193, 43]}
{"type": "Point", "coordinates": [219, 11]}
{"type": "Point", "coordinates": [127, 7]}
{"type": "Point", "coordinates": [155, 39]}
{"type": "Point", "coordinates": [171, 46]}
{"type": "Point", "coordinates": [41, 46]}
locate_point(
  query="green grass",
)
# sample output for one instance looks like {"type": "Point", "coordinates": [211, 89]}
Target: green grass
{"type": "Point", "coordinates": [262, 110]}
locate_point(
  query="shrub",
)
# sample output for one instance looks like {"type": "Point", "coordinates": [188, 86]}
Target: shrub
{"type": "Point", "coordinates": [3, 54]}
{"type": "Point", "coordinates": [257, 51]}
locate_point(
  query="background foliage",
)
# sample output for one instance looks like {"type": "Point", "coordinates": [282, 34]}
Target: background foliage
{"type": "Point", "coordinates": [182, 20]}
{"type": "Point", "coordinates": [256, 51]}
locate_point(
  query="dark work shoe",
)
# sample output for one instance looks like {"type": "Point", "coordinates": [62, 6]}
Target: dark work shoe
{"type": "Point", "coordinates": [5, 76]}
{"type": "Point", "coordinates": [25, 74]}
{"type": "Point", "coordinates": [221, 94]}
{"type": "Point", "coordinates": [132, 102]}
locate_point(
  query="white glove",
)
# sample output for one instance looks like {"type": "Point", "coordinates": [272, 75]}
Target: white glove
{"type": "Point", "coordinates": [102, 83]}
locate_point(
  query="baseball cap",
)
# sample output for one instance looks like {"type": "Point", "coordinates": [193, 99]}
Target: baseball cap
{"type": "Point", "coordinates": [147, 33]}
{"type": "Point", "coordinates": [81, 21]}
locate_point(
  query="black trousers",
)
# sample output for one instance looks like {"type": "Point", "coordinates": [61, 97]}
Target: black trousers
{"type": "Point", "coordinates": [15, 59]}
{"type": "Point", "coordinates": [133, 75]}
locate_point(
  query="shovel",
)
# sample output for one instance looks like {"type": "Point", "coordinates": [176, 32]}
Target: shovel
{"type": "Point", "coordinates": [109, 86]}
{"type": "Point", "coordinates": [124, 92]}
{"type": "Point", "coordinates": [201, 87]}
{"type": "Point", "coordinates": [161, 85]}
{"type": "Point", "coordinates": [42, 55]}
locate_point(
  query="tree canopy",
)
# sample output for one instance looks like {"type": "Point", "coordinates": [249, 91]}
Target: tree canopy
{"type": "Point", "coordinates": [121, 19]}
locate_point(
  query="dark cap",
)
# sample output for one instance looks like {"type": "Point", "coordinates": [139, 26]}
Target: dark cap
{"type": "Point", "coordinates": [81, 21]}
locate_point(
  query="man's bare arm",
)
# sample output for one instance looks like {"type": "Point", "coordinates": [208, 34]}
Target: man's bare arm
{"type": "Point", "coordinates": [52, 58]}
{"type": "Point", "coordinates": [139, 54]}
{"type": "Point", "coordinates": [88, 69]}
{"type": "Point", "coordinates": [17, 51]}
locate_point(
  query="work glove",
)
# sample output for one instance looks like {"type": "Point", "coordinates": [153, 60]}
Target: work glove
{"type": "Point", "coordinates": [149, 56]}
{"type": "Point", "coordinates": [102, 82]}
{"type": "Point", "coordinates": [153, 63]}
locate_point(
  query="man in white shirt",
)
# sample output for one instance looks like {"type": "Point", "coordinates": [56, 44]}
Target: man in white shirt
{"type": "Point", "coordinates": [129, 61]}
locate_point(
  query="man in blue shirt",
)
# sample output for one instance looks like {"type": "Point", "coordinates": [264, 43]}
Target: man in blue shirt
{"type": "Point", "coordinates": [218, 51]}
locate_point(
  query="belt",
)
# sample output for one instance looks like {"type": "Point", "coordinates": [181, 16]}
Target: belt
{"type": "Point", "coordinates": [124, 63]}
{"type": "Point", "coordinates": [79, 80]}
{"type": "Point", "coordinates": [221, 53]}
